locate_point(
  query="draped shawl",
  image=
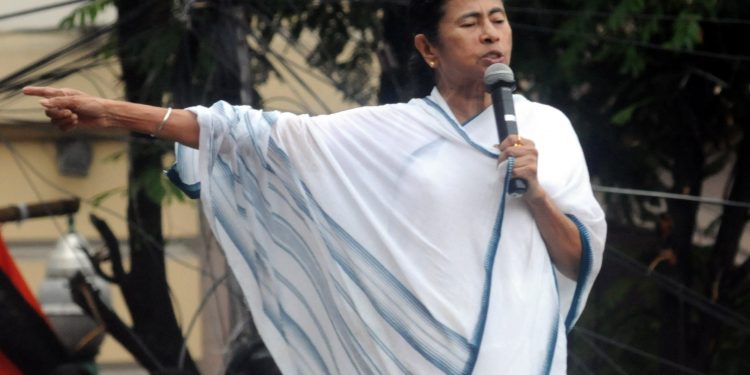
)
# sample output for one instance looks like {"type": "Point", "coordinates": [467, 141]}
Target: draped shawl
{"type": "Point", "coordinates": [380, 240]}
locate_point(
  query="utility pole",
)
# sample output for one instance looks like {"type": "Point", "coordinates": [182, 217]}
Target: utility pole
{"type": "Point", "coordinates": [216, 32]}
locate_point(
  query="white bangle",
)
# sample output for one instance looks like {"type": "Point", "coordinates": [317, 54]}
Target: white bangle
{"type": "Point", "coordinates": [163, 121]}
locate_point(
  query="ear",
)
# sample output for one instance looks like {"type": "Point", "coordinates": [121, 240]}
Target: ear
{"type": "Point", "coordinates": [425, 48]}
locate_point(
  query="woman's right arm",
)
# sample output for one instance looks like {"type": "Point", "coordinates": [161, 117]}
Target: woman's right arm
{"type": "Point", "coordinates": [68, 109]}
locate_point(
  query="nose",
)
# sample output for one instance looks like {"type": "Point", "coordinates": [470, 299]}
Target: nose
{"type": "Point", "coordinates": [490, 34]}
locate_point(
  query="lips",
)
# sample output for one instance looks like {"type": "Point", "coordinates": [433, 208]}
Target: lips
{"type": "Point", "coordinates": [494, 57]}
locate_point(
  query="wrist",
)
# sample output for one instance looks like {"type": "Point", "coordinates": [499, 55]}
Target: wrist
{"type": "Point", "coordinates": [113, 113]}
{"type": "Point", "coordinates": [535, 197]}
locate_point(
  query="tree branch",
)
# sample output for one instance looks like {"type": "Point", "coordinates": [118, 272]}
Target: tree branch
{"type": "Point", "coordinates": [88, 298]}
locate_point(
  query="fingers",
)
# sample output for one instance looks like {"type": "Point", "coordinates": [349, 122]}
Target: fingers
{"type": "Point", "coordinates": [63, 119]}
{"type": "Point", "coordinates": [59, 105]}
{"type": "Point", "coordinates": [515, 146]}
{"type": "Point", "coordinates": [60, 102]}
{"type": "Point", "coordinates": [65, 123]}
{"type": "Point", "coordinates": [46, 92]}
{"type": "Point", "coordinates": [57, 113]}
{"type": "Point", "coordinates": [49, 92]}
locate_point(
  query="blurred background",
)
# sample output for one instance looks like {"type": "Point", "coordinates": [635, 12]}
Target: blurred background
{"type": "Point", "coordinates": [657, 91]}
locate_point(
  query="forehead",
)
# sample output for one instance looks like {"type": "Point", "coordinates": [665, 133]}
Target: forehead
{"type": "Point", "coordinates": [458, 8]}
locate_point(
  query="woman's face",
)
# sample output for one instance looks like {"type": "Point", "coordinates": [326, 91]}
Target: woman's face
{"type": "Point", "coordinates": [472, 35]}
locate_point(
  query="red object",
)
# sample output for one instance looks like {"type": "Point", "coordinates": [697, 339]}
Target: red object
{"type": "Point", "coordinates": [7, 367]}
{"type": "Point", "coordinates": [8, 266]}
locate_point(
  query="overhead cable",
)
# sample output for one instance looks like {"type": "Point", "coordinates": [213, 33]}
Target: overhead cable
{"type": "Point", "coordinates": [631, 42]}
{"type": "Point", "coordinates": [640, 16]}
{"type": "Point", "coordinates": [685, 294]}
{"type": "Point", "coordinates": [39, 9]}
{"type": "Point", "coordinates": [593, 335]}
{"type": "Point", "coordinates": [659, 194]}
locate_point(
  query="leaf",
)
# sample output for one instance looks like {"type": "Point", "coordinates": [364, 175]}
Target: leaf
{"type": "Point", "coordinates": [98, 199]}
{"type": "Point", "coordinates": [85, 15]}
{"type": "Point", "coordinates": [686, 32]}
{"type": "Point", "coordinates": [623, 116]}
{"type": "Point", "coordinates": [115, 156]}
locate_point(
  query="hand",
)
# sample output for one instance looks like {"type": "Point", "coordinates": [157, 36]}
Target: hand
{"type": "Point", "coordinates": [69, 108]}
{"type": "Point", "coordinates": [525, 167]}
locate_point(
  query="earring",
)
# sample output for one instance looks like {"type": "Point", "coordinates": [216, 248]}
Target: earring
{"type": "Point", "coordinates": [432, 64]}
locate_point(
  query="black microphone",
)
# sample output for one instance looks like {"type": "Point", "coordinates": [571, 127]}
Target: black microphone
{"type": "Point", "coordinates": [500, 82]}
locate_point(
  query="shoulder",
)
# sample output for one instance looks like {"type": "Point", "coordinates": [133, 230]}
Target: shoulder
{"type": "Point", "coordinates": [539, 111]}
{"type": "Point", "coordinates": [542, 119]}
{"type": "Point", "coordinates": [373, 114]}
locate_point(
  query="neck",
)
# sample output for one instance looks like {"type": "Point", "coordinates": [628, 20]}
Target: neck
{"type": "Point", "coordinates": [465, 101]}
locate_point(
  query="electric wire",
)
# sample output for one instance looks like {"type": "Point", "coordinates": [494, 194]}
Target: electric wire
{"type": "Point", "coordinates": [39, 196]}
{"type": "Point", "coordinates": [208, 263]}
{"type": "Point", "coordinates": [719, 312]}
{"type": "Point", "coordinates": [631, 42]}
{"type": "Point", "coordinates": [21, 162]}
{"type": "Point", "coordinates": [39, 9]}
{"type": "Point", "coordinates": [217, 281]}
{"type": "Point", "coordinates": [599, 352]}
{"type": "Point", "coordinates": [580, 363]}
{"type": "Point", "coordinates": [588, 335]}
{"type": "Point", "coordinates": [297, 45]}
{"type": "Point", "coordinates": [665, 195]}
{"type": "Point", "coordinates": [638, 16]}
{"type": "Point", "coordinates": [194, 318]}
{"type": "Point", "coordinates": [29, 166]}
{"type": "Point", "coordinates": [295, 76]}
{"type": "Point", "coordinates": [207, 258]}
{"type": "Point", "coordinates": [7, 82]}
{"type": "Point", "coordinates": [673, 196]}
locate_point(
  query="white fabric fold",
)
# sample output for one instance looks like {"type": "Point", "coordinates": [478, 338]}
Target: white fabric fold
{"type": "Point", "coordinates": [379, 239]}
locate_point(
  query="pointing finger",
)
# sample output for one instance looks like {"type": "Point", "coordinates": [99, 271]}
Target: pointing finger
{"type": "Point", "coordinates": [49, 92]}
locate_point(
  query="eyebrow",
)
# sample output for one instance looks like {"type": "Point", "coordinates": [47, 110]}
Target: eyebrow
{"type": "Point", "coordinates": [477, 14]}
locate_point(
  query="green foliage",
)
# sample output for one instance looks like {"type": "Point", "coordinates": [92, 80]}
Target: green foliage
{"type": "Point", "coordinates": [86, 14]}
{"type": "Point", "coordinates": [347, 34]}
{"type": "Point", "coordinates": [624, 115]}
{"type": "Point", "coordinates": [158, 187]}
{"type": "Point", "coordinates": [637, 78]}
{"type": "Point", "coordinates": [686, 32]}
{"type": "Point", "coordinates": [657, 91]}
{"type": "Point", "coordinates": [99, 198]}
{"type": "Point", "coordinates": [115, 156]}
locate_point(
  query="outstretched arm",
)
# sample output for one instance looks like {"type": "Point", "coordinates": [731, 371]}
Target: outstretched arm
{"type": "Point", "coordinates": [68, 109]}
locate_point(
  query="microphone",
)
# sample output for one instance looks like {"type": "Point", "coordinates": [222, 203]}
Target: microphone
{"type": "Point", "coordinates": [500, 82]}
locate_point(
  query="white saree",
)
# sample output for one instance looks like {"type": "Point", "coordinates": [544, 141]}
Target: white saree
{"type": "Point", "coordinates": [379, 240]}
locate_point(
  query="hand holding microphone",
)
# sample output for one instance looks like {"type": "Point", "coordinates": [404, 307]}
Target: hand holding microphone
{"type": "Point", "coordinates": [500, 82]}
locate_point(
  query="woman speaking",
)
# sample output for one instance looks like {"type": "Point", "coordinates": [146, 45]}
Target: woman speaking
{"type": "Point", "coordinates": [381, 239]}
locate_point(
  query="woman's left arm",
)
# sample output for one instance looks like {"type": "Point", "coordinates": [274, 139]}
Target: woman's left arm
{"type": "Point", "coordinates": [560, 234]}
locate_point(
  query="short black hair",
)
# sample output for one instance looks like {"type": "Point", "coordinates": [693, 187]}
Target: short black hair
{"type": "Point", "coordinates": [424, 18]}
